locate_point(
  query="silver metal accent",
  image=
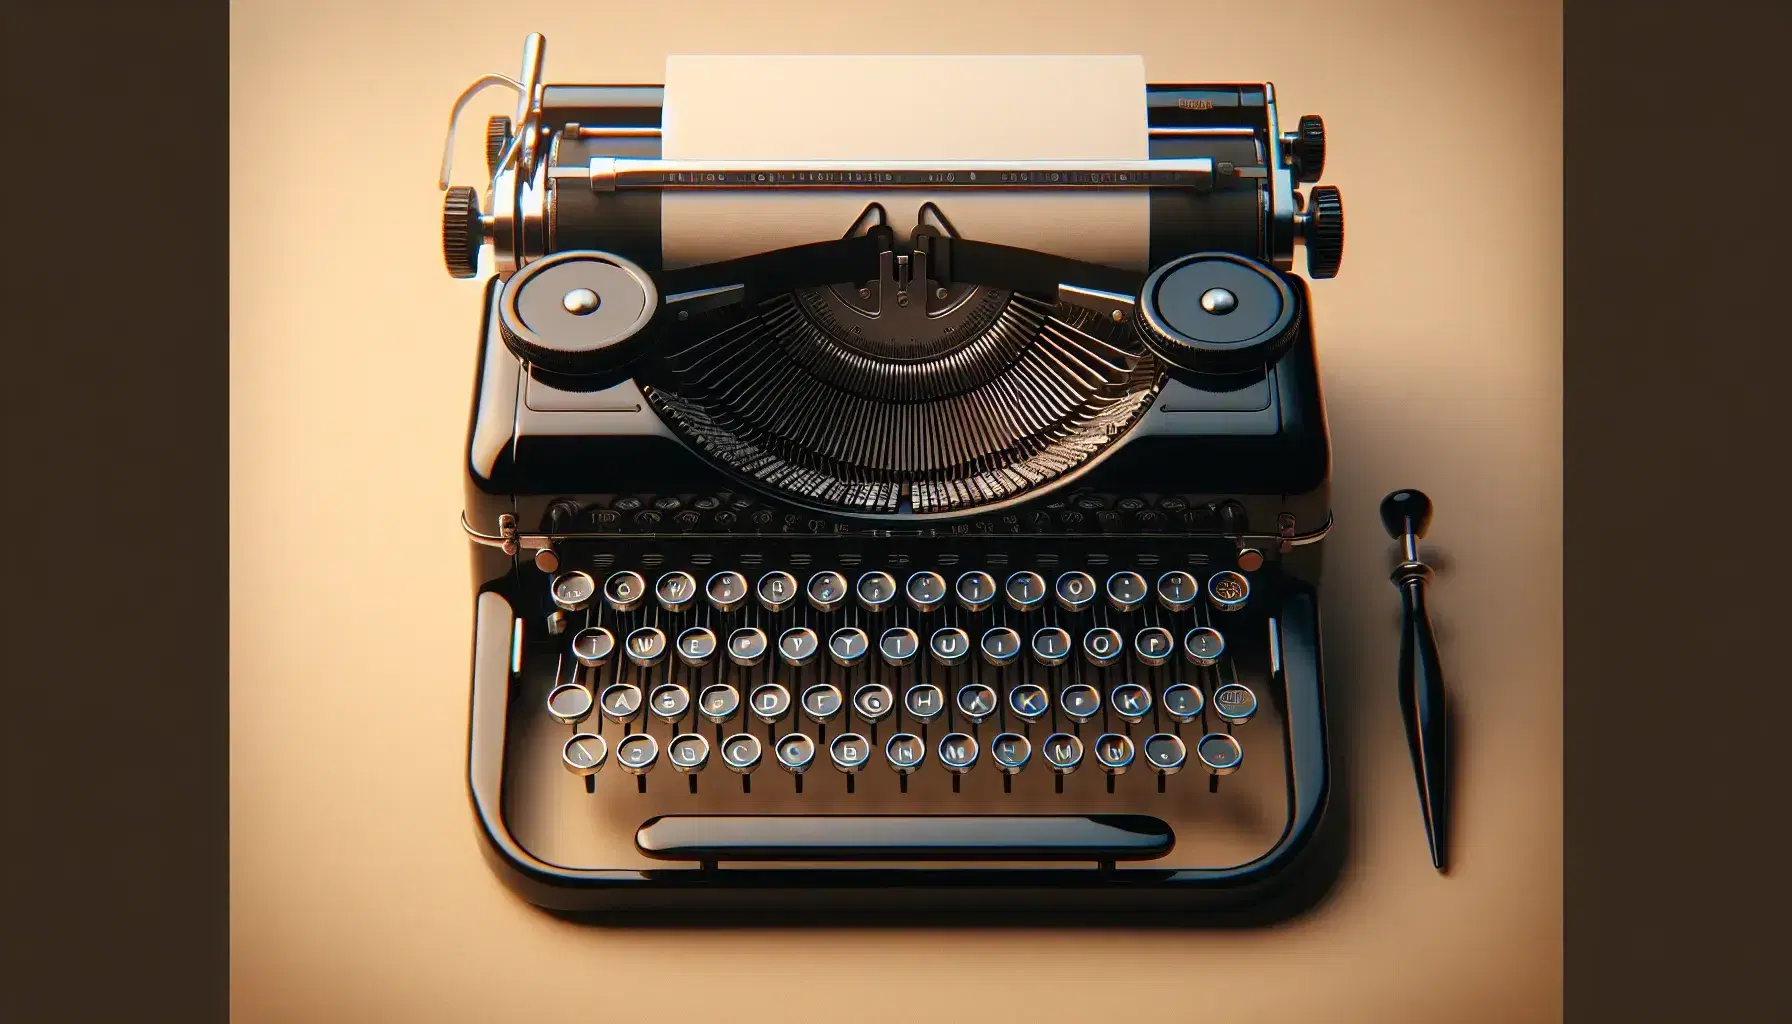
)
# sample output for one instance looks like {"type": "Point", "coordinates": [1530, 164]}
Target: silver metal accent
{"type": "Point", "coordinates": [637, 753]}
{"type": "Point", "coordinates": [504, 540]}
{"type": "Point", "coordinates": [1010, 751]}
{"type": "Point", "coordinates": [949, 645]}
{"type": "Point", "coordinates": [1275, 648]}
{"type": "Point", "coordinates": [516, 647]}
{"type": "Point", "coordinates": [1235, 703]}
{"type": "Point", "coordinates": [1000, 645]}
{"type": "Point", "coordinates": [670, 702]}
{"type": "Point", "coordinates": [1063, 752]}
{"type": "Point", "coordinates": [1203, 645]}
{"type": "Point", "coordinates": [905, 752]}
{"type": "Point", "coordinates": [849, 751]}
{"type": "Point", "coordinates": [776, 589]}
{"type": "Point", "coordinates": [875, 590]}
{"type": "Point", "coordinates": [823, 702]}
{"type": "Point", "coordinates": [480, 84]}
{"type": "Point", "coordinates": [726, 590]}
{"type": "Point", "coordinates": [770, 703]}
{"type": "Point", "coordinates": [1080, 702]}
{"type": "Point", "coordinates": [1183, 702]}
{"type": "Point", "coordinates": [696, 646]}
{"type": "Point", "coordinates": [795, 752]}
{"type": "Point", "coordinates": [898, 645]}
{"type": "Point", "coordinates": [614, 173]}
{"type": "Point", "coordinates": [874, 702]}
{"type": "Point", "coordinates": [1166, 752]}
{"type": "Point", "coordinates": [624, 590]}
{"type": "Point", "coordinates": [617, 131]}
{"type": "Point", "coordinates": [1114, 752]}
{"type": "Point", "coordinates": [958, 752]}
{"type": "Point", "coordinates": [825, 590]}
{"type": "Point", "coordinates": [977, 702]}
{"type": "Point", "coordinates": [1153, 645]}
{"type": "Point", "coordinates": [1131, 701]}
{"type": "Point", "coordinates": [1025, 590]}
{"type": "Point", "coordinates": [593, 646]}
{"type": "Point", "coordinates": [742, 753]}
{"type": "Point", "coordinates": [688, 752]}
{"type": "Point", "coordinates": [1282, 210]}
{"type": "Point", "coordinates": [569, 703]}
{"type": "Point", "coordinates": [848, 646]}
{"type": "Point", "coordinates": [1103, 645]}
{"type": "Point", "coordinates": [925, 702]}
{"type": "Point", "coordinates": [580, 301]}
{"type": "Point", "coordinates": [1075, 589]}
{"type": "Point", "coordinates": [1218, 301]}
{"type": "Point", "coordinates": [1051, 645]}
{"type": "Point", "coordinates": [675, 591]}
{"type": "Point", "coordinates": [1177, 589]}
{"type": "Point", "coordinates": [1228, 591]}
{"type": "Point", "coordinates": [925, 590]}
{"type": "Point", "coordinates": [718, 703]}
{"type": "Point", "coordinates": [798, 645]}
{"type": "Point", "coordinates": [620, 702]}
{"type": "Point", "coordinates": [573, 590]}
{"type": "Point", "coordinates": [975, 590]}
{"type": "Point", "coordinates": [746, 645]}
{"type": "Point", "coordinates": [645, 647]}
{"type": "Point", "coordinates": [556, 622]}
{"type": "Point", "coordinates": [1219, 753]}
{"type": "Point", "coordinates": [1127, 590]}
{"type": "Point", "coordinates": [1029, 702]}
{"type": "Point", "coordinates": [1106, 303]}
{"type": "Point", "coordinates": [584, 754]}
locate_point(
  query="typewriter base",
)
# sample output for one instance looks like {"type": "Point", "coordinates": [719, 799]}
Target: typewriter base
{"type": "Point", "coordinates": [541, 843]}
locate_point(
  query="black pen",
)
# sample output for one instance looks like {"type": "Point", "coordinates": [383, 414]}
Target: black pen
{"type": "Point", "coordinates": [1406, 514]}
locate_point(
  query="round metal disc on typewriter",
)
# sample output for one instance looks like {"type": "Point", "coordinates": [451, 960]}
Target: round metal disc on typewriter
{"type": "Point", "coordinates": [746, 645]}
{"type": "Point", "coordinates": [1024, 590]}
{"type": "Point", "coordinates": [874, 702]}
{"type": "Point", "coordinates": [675, 590]}
{"type": "Point", "coordinates": [572, 590]}
{"type": "Point", "coordinates": [719, 702]}
{"type": "Point", "coordinates": [795, 752]}
{"type": "Point", "coordinates": [1029, 702]}
{"type": "Point", "coordinates": [669, 702]}
{"type": "Point", "coordinates": [925, 590]}
{"type": "Point", "coordinates": [1235, 703]}
{"type": "Point", "coordinates": [645, 646]}
{"type": "Point", "coordinates": [770, 703]}
{"type": "Point", "coordinates": [798, 645]}
{"type": "Point", "coordinates": [1113, 752]}
{"type": "Point", "coordinates": [726, 590]}
{"type": "Point", "coordinates": [1131, 701]}
{"type": "Point", "coordinates": [620, 702]}
{"type": "Point", "coordinates": [1075, 590]}
{"type": "Point", "coordinates": [696, 646]}
{"type": "Point", "coordinates": [1228, 591]}
{"type": "Point", "coordinates": [949, 645]}
{"type": "Point", "coordinates": [623, 590]}
{"type": "Point", "coordinates": [1103, 646]}
{"type": "Point", "coordinates": [1218, 313]}
{"type": "Point", "coordinates": [849, 751]}
{"type": "Point", "coordinates": [925, 702]}
{"type": "Point", "coordinates": [822, 702]}
{"type": "Point", "coordinates": [875, 590]}
{"type": "Point", "coordinates": [1080, 701]}
{"type": "Point", "coordinates": [593, 646]}
{"type": "Point", "coordinates": [584, 754]}
{"type": "Point", "coordinates": [976, 702]}
{"type": "Point", "coordinates": [569, 704]}
{"type": "Point", "coordinates": [1051, 646]}
{"type": "Point", "coordinates": [958, 752]}
{"type": "Point", "coordinates": [1000, 645]}
{"type": "Point", "coordinates": [688, 752]}
{"type": "Point", "coordinates": [1165, 752]}
{"type": "Point", "coordinates": [826, 590]}
{"type": "Point", "coordinates": [776, 589]}
{"type": "Point", "coordinates": [848, 645]}
{"type": "Point", "coordinates": [905, 752]}
{"type": "Point", "coordinates": [1127, 590]}
{"type": "Point", "coordinates": [1177, 590]}
{"type": "Point", "coordinates": [578, 311]}
{"type": "Point", "coordinates": [899, 645]}
{"type": "Point", "coordinates": [1153, 645]}
{"type": "Point", "coordinates": [1010, 751]}
{"type": "Point", "coordinates": [742, 753]}
{"type": "Point", "coordinates": [1183, 702]}
{"type": "Point", "coordinates": [975, 590]}
{"type": "Point", "coordinates": [1219, 753]}
{"type": "Point", "coordinates": [1204, 645]}
{"type": "Point", "coordinates": [637, 754]}
{"type": "Point", "coordinates": [1063, 752]}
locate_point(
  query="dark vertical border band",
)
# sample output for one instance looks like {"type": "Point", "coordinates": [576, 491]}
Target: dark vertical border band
{"type": "Point", "coordinates": [1676, 345]}
{"type": "Point", "coordinates": [116, 689]}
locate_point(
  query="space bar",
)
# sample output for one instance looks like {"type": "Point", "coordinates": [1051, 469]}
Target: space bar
{"type": "Point", "coordinates": [899, 837]}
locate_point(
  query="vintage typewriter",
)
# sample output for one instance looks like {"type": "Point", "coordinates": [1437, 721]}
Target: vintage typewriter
{"type": "Point", "coordinates": [898, 565]}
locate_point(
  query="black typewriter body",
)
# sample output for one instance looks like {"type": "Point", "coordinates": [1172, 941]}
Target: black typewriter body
{"type": "Point", "coordinates": [1023, 618]}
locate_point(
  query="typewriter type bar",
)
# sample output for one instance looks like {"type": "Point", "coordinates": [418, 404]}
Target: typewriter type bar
{"type": "Point", "coordinates": [918, 837]}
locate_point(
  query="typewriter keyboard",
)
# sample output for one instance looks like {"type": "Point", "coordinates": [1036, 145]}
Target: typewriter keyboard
{"type": "Point", "coordinates": [809, 682]}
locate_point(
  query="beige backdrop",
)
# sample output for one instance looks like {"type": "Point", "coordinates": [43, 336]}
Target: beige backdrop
{"type": "Point", "coordinates": [357, 889]}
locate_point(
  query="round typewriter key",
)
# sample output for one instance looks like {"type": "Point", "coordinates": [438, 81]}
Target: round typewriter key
{"type": "Point", "coordinates": [795, 752]}
{"type": "Point", "coordinates": [874, 702]}
{"type": "Point", "coordinates": [770, 703]}
{"type": "Point", "coordinates": [925, 702]}
{"type": "Point", "coordinates": [1051, 646]}
{"type": "Point", "coordinates": [1029, 702]}
{"type": "Point", "coordinates": [1080, 701]}
{"type": "Point", "coordinates": [798, 645]}
{"type": "Point", "coordinates": [593, 646]}
{"type": "Point", "coordinates": [675, 590]}
{"type": "Point", "coordinates": [1183, 702]}
{"type": "Point", "coordinates": [726, 590]}
{"type": "Point", "coordinates": [572, 590]}
{"type": "Point", "coordinates": [696, 646]}
{"type": "Point", "coordinates": [688, 752]}
{"type": "Point", "coordinates": [742, 753]}
{"type": "Point", "coordinates": [1203, 645]}
{"type": "Point", "coordinates": [1228, 591]}
{"type": "Point", "coordinates": [645, 646]}
{"type": "Point", "coordinates": [1153, 645]}
{"type": "Point", "coordinates": [905, 752]}
{"type": "Point", "coordinates": [849, 751]}
{"type": "Point", "coordinates": [1235, 703]}
{"type": "Point", "coordinates": [1102, 646]}
{"type": "Point", "coordinates": [669, 702]}
{"type": "Point", "coordinates": [637, 753]}
{"type": "Point", "coordinates": [1127, 590]}
{"type": "Point", "coordinates": [847, 645]}
{"type": "Point", "coordinates": [949, 645]}
{"type": "Point", "coordinates": [776, 589]}
{"type": "Point", "coordinates": [1219, 753]}
{"type": "Point", "coordinates": [1010, 751]}
{"type": "Point", "coordinates": [899, 645]}
{"type": "Point", "coordinates": [1075, 590]}
{"type": "Point", "coordinates": [719, 702]}
{"type": "Point", "coordinates": [1165, 752]}
{"type": "Point", "coordinates": [569, 704]}
{"type": "Point", "coordinates": [822, 702]}
{"type": "Point", "coordinates": [875, 590]}
{"type": "Point", "coordinates": [1025, 590]}
{"type": "Point", "coordinates": [621, 702]}
{"type": "Point", "coordinates": [976, 702]}
{"type": "Point", "coordinates": [584, 754]}
{"type": "Point", "coordinates": [1000, 645]}
{"type": "Point", "coordinates": [1113, 752]}
{"type": "Point", "coordinates": [1131, 701]}
{"type": "Point", "coordinates": [1063, 752]}
{"type": "Point", "coordinates": [1177, 590]}
{"type": "Point", "coordinates": [958, 752]}
{"type": "Point", "coordinates": [975, 590]}
{"type": "Point", "coordinates": [826, 590]}
{"type": "Point", "coordinates": [624, 590]}
{"type": "Point", "coordinates": [746, 646]}
{"type": "Point", "coordinates": [925, 590]}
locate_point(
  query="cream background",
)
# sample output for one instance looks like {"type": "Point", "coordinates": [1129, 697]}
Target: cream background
{"type": "Point", "coordinates": [358, 891]}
